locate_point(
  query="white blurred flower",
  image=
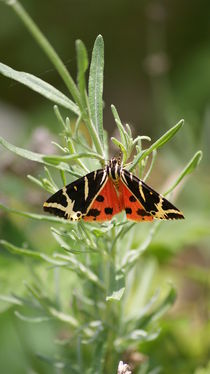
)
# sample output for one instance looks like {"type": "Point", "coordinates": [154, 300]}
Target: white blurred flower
{"type": "Point", "coordinates": [123, 368]}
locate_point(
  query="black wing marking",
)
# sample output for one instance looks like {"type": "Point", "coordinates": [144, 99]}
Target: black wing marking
{"type": "Point", "coordinates": [153, 203]}
{"type": "Point", "coordinates": [73, 201]}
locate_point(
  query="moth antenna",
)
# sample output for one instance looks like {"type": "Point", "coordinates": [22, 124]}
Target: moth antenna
{"type": "Point", "coordinates": [118, 157]}
{"type": "Point", "coordinates": [127, 164]}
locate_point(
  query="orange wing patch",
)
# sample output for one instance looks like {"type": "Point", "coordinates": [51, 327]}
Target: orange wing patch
{"type": "Point", "coordinates": [102, 193]}
{"type": "Point", "coordinates": [106, 204]}
{"type": "Point", "coordinates": [133, 208]}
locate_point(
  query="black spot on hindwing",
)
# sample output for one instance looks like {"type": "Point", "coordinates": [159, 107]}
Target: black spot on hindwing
{"type": "Point", "coordinates": [100, 198]}
{"type": "Point", "coordinates": [132, 199]}
{"type": "Point", "coordinates": [108, 211]}
{"type": "Point", "coordinates": [142, 213]}
{"type": "Point", "coordinates": [128, 210]}
{"type": "Point", "coordinates": [93, 213]}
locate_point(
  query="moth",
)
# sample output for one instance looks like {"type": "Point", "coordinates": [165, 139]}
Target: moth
{"type": "Point", "coordinates": [101, 194]}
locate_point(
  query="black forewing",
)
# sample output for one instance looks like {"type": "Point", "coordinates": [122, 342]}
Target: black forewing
{"type": "Point", "coordinates": [81, 192]}
{"type": "Point", "coordinates": [153, 202]}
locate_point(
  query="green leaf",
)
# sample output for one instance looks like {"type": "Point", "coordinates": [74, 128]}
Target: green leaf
{"type": "Point", "coordinates": [46, 304]}
{"type": "Point", "coordinates": [38, 217]}
{"type": "Point", "coordinates": [117, 286]}
{"type": "Point", "coordinates": [29, 253]}
{"type": "Point", "coordinates": [165, 304]}
{"type": "Point", "coordinates": [82, 65]}
{"type": "Point", "coordinates": [137, 336]}
{"type": "Point", "coordinates": [58, 162]}
{"type": "Point", "coordinates": [119, 144]}
{"type": "Point", "coordinates": [56, 159]}
{"type": "Point", "coordinates": [44, 183]}
{"type": "Point", "coordinates": [59, 365]}
{"type": "Point", "coordinates": [132, 256]}
{"type": "Point", "coordinates": [22, 152]}
{"type": "Point", "coordinates": [63, 317]}
{"type": "Point", "coordinates": [189, 168]}
{"type": "Point", "coordinates": [38, 157]}
{"type": "Point", "coordinates": [161, 309]}
{"type": "Point", "coordinates": [81, 269]}
{"type": "Point", "coordinates": [95, 87]}
{"type": "Point", "coordinates": [38, 85]}
{"type": "Point", "coordinates": [119, 125]}
{"type": "Point", "coordinates": [10, 299]}
{"type": "Point", "coordinates": [72, 242]}
{"type": "Point", "coordinates": [159, 143]}
{"type": "Point", "coordinates": [32, 319]}
{"type": "Point", "coordinates": [47, 48]}
{"type": "Point", "coordinates": [61, 241]}
{"type": "Point", "coordinates": [99, 355]}
{"type": "Point", "coordinates": [154, 154]}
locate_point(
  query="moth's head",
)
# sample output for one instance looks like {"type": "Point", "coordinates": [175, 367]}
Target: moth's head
{"type": "Point", "coordinates": [117, 160]}
{"type": "Point", "coordinates": [114, 168]}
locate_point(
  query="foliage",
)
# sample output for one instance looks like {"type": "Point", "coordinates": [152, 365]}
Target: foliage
{"type": "Point", "coordinates": [96, 297]}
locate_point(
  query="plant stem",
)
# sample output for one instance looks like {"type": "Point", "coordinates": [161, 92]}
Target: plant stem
{"type": "Point", "coordinates": [93, 133]}
{"type": "Point", "coordinates": [47, 48]}
{"type": "Point", "coordinates": [60, 67]}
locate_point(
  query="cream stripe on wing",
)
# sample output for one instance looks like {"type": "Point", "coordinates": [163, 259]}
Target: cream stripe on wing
{"type": "Point", "coordinates": [162, 213]}
{"type": "Point", "coordinates": [104, 177]}
{"type": "Point", "coordinates": [141, 191]}
{"type": "Point", "coordinates": [69, 209]}
{"type": "Point", "coordinates": [55, 205]}
{"type": "Point", "coordinates": [86, 188]}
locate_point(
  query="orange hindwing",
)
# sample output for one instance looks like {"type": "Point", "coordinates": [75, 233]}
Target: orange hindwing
{"type": "Point", "coordinates": [133, 208]}
{"type": "Point", "coordinates": [101, 194]}
{"type": "Point", "coordinates": [105, 205]}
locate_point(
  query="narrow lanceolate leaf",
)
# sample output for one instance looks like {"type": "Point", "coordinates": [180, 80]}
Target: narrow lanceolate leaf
{"type": "Point", "coordinates": [10, 299]}
{"type": "Point", "coordinates": [82, 65]}
{"type": "Point", "coordinates": [165, 304]}
{"type": "Point", "coordinates": [38, 85]}
{"type": "Point", "coordinates": [47, 306]}
{"type": "Point", "coordinates": [117, 286]}
{"type": "Point", "coordinates": [119, 144]}
{"type": "Point", "coordinates": [38, 157]}
{"type": "Point", "coordinates": [29, 253]}
{"type": "Point", "coordinates": [63, 317]}
{"type": "Point", "coordinates": [189, 168]}
{"type": "Point", "coordinates": [95, 88]}
{"type": "Point", "coordinates": [119, 124]}
{"type": "Point", "coordinates": [138, 335]}
{"type": "Point", "coordinates": [47, 48]}
{"type": "Point", "coordinates": [159, 310]}
{"type": "Point", "coordinates": [56, 159]}
{"type": "Point", "coordinates": [99, 355]}
{"type": "Point", "coordinates": [81, 269]}
{"type": "Point", "coordinates": [132, 256]}
{"type": "Point", "coordinates": [32, 319]}
{"type": "Point", "coordinates": [38, 217]}
{"type": "Point", "coordinates": [159, 143]}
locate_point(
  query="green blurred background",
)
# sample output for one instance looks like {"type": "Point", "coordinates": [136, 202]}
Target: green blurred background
{"type": "Point", "coordinates": [157, 71]}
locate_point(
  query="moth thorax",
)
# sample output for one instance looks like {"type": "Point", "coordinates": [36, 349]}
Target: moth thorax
{"type": "Point", "coordinates": [114, 172]}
